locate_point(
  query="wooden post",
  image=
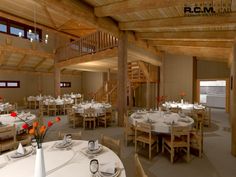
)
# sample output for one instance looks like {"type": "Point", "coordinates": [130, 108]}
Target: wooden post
{"type": "Point", "coordinates": [194, 92]}
{"type": "Point", "coordinates": [148, 94]}
{"type": "Point", "coordinates": [233, 102]}
{"type": "Point", "coordinates": [130, 95]}
{"type": "Point", "coordinates": [122, 77]}
{"type": "Point", "coordinates": [57, 80]}
{"type": "Point", "coordinates": [162, 76]}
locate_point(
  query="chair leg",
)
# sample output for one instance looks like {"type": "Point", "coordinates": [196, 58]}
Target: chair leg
{"type": "Point", "coordinates": [172, 155]}
{"type": "Point", "coordinates": [135, 145]}
{"type": "Point", "coordinates": [150, 151]}
{"type": "Point", "coordinates": [162, 146]}
{"type": "Point", "coordinates": [188, 154]}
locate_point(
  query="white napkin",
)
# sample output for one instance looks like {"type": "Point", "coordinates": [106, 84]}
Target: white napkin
{"type": "Point", "coordinates": [108, 168]}
{"type": "Point", "coordinates": [20, 149]}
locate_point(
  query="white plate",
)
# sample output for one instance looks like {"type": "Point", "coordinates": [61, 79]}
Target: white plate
{"type": "Point", "coordinates": [95, 151]}
{"type": "Point", "coordinates": [62, 145]}
{"type": "Point", "coordinates": [18, 155]}
{"type": "Point", "coordinates": [103, 174]}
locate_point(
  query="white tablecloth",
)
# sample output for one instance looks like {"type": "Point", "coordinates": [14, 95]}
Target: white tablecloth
{"type": "Point", "coordinates": [161, 122]}
{"type": "Point", "coordinates": [99, 107]}
{"type": "Point", "coordinates": [4, 106]}
{"type": "Point", "coordinates": [58, 163]}
{"type": "Point", "coordinates": [7, 119]}
{"type": "Point", "coordinates": [186, 107]}
{"type": "Point", "coordinates": [58, 101]}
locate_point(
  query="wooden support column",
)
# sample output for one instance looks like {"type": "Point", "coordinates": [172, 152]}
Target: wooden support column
{"type": "Point", "coordinates": [148, 95]}
{"type": "Point", "coordinates": [233, 102]}
{"type": "Point", "coordinates": [130, 95]}
{"type": "Point", "coordinates": [194, 92]}
{"type": "Point", "coordinates": [57, 78]}
{"type": "Point", "coordinates": [162, 76]}
{"type": "Point", "coordinates": [122, 77]}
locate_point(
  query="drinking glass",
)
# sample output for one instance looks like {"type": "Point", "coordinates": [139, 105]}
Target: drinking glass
{"type": "Point", "coordinates": [94, 166]}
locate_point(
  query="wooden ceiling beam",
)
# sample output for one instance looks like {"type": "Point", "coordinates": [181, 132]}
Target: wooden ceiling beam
{"type": "Point", "coordinates": [25, 51]}
{"type": "Point", "coordinates": [83, 13]}
{"type": "Point", "coordinates": [131, 6]}
{"type": "Point", "coordinates": [22, 61]}
{"type": "Point", "coordinates": [217, 54]}
{"type": "Point", "coordinates": [29, 71]}
{"type": "Point", "coordinates": [109, 53]}
{"type": "Point", "coordinates": [31, 23]}
{"type": "Point", "coordinates": [180, 22]}
{"type": "Point", "coordinates": [189, 36]}
{"type": "Point", "coordinates": [226, 44]}
{"type": "Point", "coordinates": [39, 63]}
{"type": "Point", "coordinates": [50, 17]}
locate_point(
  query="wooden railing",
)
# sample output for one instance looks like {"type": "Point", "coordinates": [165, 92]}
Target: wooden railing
{"type": "Point", "coordinates": [89, 44]}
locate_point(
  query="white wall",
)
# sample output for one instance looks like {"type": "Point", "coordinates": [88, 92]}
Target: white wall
{"type": "Point", "coordinates": [33, 84]}
{"type": "Point", "coordinates": [178, 76]}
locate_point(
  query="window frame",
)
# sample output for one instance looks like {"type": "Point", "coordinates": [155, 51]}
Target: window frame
{"type": "Point", "coordinates": [6, 84]}
{"type": "Point", "coordinates": [65, 84]}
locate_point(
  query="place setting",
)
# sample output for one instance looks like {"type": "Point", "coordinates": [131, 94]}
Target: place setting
{"type": "Point", "coordinates": [65, 144]}
{"type": "Point", "coordinates": [108, 169]}
{"type": "Point", "coordinates": [93, 149]}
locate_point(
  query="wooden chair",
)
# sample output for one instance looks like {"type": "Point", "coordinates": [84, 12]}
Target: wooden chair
{"type": "Point", "coordinates": [176, 110]}
{"type": "Point", "coordinates": [7, 138]}
{"type": "Point", "coordinates": [23, 138]}
{"type": "Point", "coordinates": [144, 135]}
{"type": "Point", "coordinates": [111, 143]}
{"type": "Point", "coordinates": [67, 107]}
{"type": "Point", "coordinates": [179, 139]}
{"type": "Point", "coordinates": [196, 139]}
{"type": "Point", "coordinates": [52, 108]}
{"type": "Point", "coordinates": [75, 136]}
{"type": "Point", "coordinates": [102, 119]}
{"type": "Point", "coordinates": [139, 172]}
{"type": "Point", "coordinates": [207, 117]}
{"type": "Point", "coordinates": [129, 133]}
{"type": "Point", "coordinates": [42, 109]}
{"type": "Point", "coordinates": [89, 117]}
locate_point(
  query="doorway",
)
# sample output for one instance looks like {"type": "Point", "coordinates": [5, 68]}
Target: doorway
{"type": "Point", "coordinates": [213, 93]}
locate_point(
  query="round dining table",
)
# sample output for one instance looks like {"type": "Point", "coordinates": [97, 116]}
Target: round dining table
{"type": "Point", "coordinates": [186, 107]}
{"type": "Point", "coordinates": [99, 107]}
{"type": "Point", "coordinates": [161, 121]}
{"type": "Point", "coordinates": [7, 119]}
{"type": "Point", "coordinates": [68, 162]}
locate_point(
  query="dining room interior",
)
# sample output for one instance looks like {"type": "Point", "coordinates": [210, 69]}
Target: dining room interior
{"type": "Point", "coordinates": [117, 88]}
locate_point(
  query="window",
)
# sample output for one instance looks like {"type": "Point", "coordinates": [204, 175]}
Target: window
{"type": "Point", "coordinates": [3, 27]}
{"type": "Point", "coordinates": [9, 84]}
{"type": "Point", "coordinates": [65, 84]}
{"type": "Point", "coordinates": [18, 29]}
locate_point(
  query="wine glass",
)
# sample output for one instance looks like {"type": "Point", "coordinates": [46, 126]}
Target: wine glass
{"type": "Point", "coordinates": [34, 144]}
{"type": "Point", "coordinates": [94, 166]}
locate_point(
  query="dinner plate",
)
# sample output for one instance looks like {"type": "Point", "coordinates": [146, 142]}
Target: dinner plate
{"type": "Point", "coordinates": [95, 151]}
{"type": "Point", "coordinates": [104, 174]}
{"type": "Point", "coordinates": [18, 155]}
{"type": "Point", "coordinates": [62, 145]}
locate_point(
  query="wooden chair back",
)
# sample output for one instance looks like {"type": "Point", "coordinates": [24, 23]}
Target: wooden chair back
{"type": "Point", "coordinates": [7, 138]}
{"type": "Point", "coordinates": [139, 172]}
{"type": "Point", "coordinates": [111, 143]}
{"type": "Point", "coordinates": [180, 132]}
{"type": "Point", "coordinates": [89, 112]}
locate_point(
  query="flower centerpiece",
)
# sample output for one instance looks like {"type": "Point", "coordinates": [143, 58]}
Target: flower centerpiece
{"type": "Point", "coordinates": [25, 126]}
{"type": "Point", "coordinates": [182, 95]}
{"type": "Point", "coordinates": [160, 100]}
{"type": "Point", "coordinates": [38, 131]}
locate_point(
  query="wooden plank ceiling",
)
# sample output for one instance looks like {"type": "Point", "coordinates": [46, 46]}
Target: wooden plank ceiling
{"type": "Point", "coordinates": [158, 24]}
{"type": "Point", "coordinates": [164, 25]}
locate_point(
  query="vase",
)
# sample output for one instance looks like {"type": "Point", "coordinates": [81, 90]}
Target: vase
{"type": "Point", "coordinates": [39, 169]}
{"type": "Point", "coordinates": [182, 101]}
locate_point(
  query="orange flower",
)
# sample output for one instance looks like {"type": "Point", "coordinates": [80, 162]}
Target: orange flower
{"type": "Point", "coordinates": [32, 130]}
{"type": "Point", "coordinates": [58, 119]}
{"type": "Point", "coordinates": [42, 129]}
{"type": "Point", "coordinates": [35, 124]}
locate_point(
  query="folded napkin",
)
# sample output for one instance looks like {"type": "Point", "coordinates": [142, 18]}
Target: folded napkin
{"type": "Point", "coordinates": [20, 149]}
{"type": "Point", "coordinates": [108, 168]}
{"type": "Point", "coordinates": [96, 144]}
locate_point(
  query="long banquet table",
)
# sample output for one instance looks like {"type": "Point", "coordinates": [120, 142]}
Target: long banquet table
{"type": "Point", "coordinates": [59, 163]}
{"type": "Point", "coordinates": [161, 121]}
{"type": "Point", "coordinates": [99, 107]}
